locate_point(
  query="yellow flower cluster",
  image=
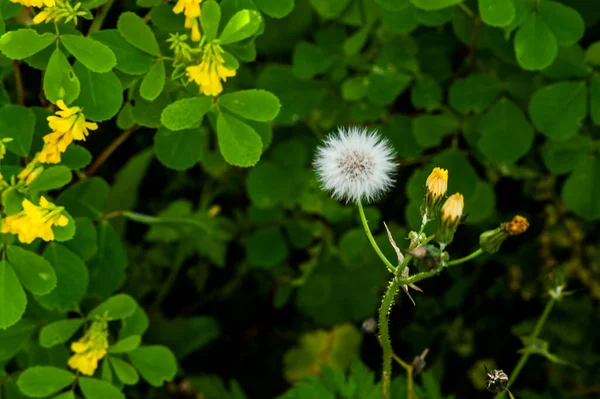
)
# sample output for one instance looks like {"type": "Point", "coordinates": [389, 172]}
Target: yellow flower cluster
{"type": "Point", "coordinates": [90, 348]}
{"type": "Point", "coordinates": [35, 3]}
{"type": "Point", "coordinates": [191, 10]}
{"type": "Point", "coordinates": [209, 73]}
{"type": "Point", "coordinates": [35, 221]}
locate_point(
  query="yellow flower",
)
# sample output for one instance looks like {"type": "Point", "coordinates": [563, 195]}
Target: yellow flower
{"type": "Point", "coordinates": [191, 10]}
{"type": "Point", "coordinates": [68, 125]}
{"type": "Point", "coordinates": [451, 214]}
{"type": "Point", "coordinates": [210, 72]}
{"type": "Point", "coordinates": [192, 23]}
{"type": "Point", "coordinates": [46, 15]}
{"type": "Point", "coordinates": [35, 3]}
{"type": "Point", "coordinates": [437, 182]}
{"type": "Point", "coordinates": [35, 221]}
{"type": "Point", "coordinates": [90, 348]}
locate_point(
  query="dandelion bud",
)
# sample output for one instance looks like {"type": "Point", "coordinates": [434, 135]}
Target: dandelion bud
{"type": "Point", "coordinates": [355, 164]}
{"type": "Point", "coordinates": [490, 241]}
{"type": "Point", "coordinates": [436, 187]}
{"type": "Point", "coordinates": [451, 215]}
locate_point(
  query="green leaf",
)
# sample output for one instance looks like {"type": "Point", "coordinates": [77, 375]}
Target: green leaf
{"type": "Point", "coordinates": [403, 20]}
{"type": "Point", "coordinates": [154, 81]}
{"type": "Point", "coordinates": [238, 142]}
{"type": "Point", "coordinates": [592, 54]}
{"type": "Point", "coordinates": [51, 178]}
{"type": "Point", "coordinates": [119, 306]}
{"type": "Point", "coordinates": [181, 149]}
{"type": "Point", "coordinates": [595, 98]}
{"type": "Point", "coordinates": [426, 93]}
{"type": "Point", "coordinates": [64, 233]}
{"type": "Point", "coordinates": [17, 123]}
{"type": "Point", "coordinates": [355, 88]}
{"type": "Point", "coordinates": [43, 381]}
{"type": "Point", "coordinates": [497, 12]}
{"type": "Point", "coordinates": [94, 55]}
{"type": "Point", "coordinates": [329, 9]}
{"type": "Point", "coordinates": [536, 46]}
{"type": "Point", "coordinates": [569, 64]}
{"type": "Point", "coordinates": [155, 363]}
{"type": "Point", "coordinates": [385, 85]}
{"type": "Point", "coordinates": [210, 19]}
{"type": "Point", "coordinates": [309, 60]}
{"type": "Point", "coordinates": [148, 113]}
{"type": "Point", "coordinates": [135, 31]}
{"type": "Point", "coordinates": [59, 332]}
{"type": "Point", "coordinates": [431, 385]}
{"type": "Point", "coordinates": [558, 110]}
{"type": "Point", "coordinates": [431, 5]}
{"type": "Point", "coordinates": [565, 22]}
{"type": "Point", "coordinates": [581, 192]}
{"type": "Point", "coordinates": [266, 248]}
{"type": "Point", "coordinates": [124, 371]}
{"type": "Point", "coordinates": [107, 267]}
{"type": "Point", "coordinates": [86, 198]}
{"type": "Point", "coordinates": [275, 8]}
{"type": "Point", "coordinates": [136, 324]}
{"type": "Point", "coordinates": [506, 135]}
{"type": "Point", "coordinates": [126, 344]}
{"type": "Point", "coordinates": [12, 201]}
{"type": "Point", "coordinates": [185, 336]}
{"type": "Point", "coordinates": [474, 93]}
{"type": "Point", "coordinates": [241, 26]}
{"type": "Point", "coordinates": [76, 157]}
{"type": "Point", "coordinates": [101, 93]}
{"type": "Point", "coordinates": [35, 273]}
{"type": "Point", "coordinates": [72, 279]}
{"type": "Point", "coordinates": [60, 81]}
{"type": "Point", "coordinates": [256, 105]}
{"type": "Point", "coordinates": [185, 113]}
{"type": "Point", "coordinates": [93, 388]}
{"type": "Point", "coordinates": [268, 185]}
{"type": "Point", "coordinates": [562, 156]}
{"type": "Point", "coordinates": [23, 43]}
{"type": "Point", "coordinates": [430, 129]}
{"type": "Point", "coordinates": [14, 338]}
{"type": "Point", "coordinates": [130, 59]}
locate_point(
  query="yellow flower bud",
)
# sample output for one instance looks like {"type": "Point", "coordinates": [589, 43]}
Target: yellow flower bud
{"type": "Point", "coordinates": [451, 215]}
{"type": "Point", "coordinates": [436, 187]}
{"type": "Point", "coordinates": [491, 240]}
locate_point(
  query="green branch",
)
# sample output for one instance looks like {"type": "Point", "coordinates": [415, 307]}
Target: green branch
{"type": "Point", "coordinates": [363, 218]}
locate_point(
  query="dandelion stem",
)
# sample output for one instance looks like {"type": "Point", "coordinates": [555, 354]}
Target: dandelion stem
{"type": "Point", "coordinates": [466, 258]}
{"type": "Point", "coordinates": [525, 356]}
{"type": "Point", "coordinates": [363, 218]}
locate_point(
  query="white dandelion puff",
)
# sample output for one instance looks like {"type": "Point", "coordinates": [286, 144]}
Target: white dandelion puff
{"type": "Point", "coordinates": [355, 164]}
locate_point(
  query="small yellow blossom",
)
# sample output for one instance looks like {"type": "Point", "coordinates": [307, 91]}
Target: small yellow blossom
{"type": "Point", "coordinates": [35, 221]}
{"type": "Point", "coordinates": [451, 215]}
{"type": "Point", "coordinates": [209, 73]}
{"type": "Point", "coordinates": [90, 348]}
{"type": "Point", "coordinates": [437, 182]}
{"type": "Point", "coordinates": [191, 10]}
{"type": "Point", "coordinates": [68, 125]}
{"type": "Point", "coordinates": [35, 3]}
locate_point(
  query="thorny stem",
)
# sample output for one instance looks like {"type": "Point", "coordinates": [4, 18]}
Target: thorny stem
{"type": "Point", "coordinates": [363, 218]}
{"type": "Point", "coordinates": [110, 149]}
{"type": "Point", "coordinates": [19, 82]}
{"type": "Point", "coordinates": [525, 356]}
{"type": "Point", "coordinates": [384, 332]}
{"type": "Point", "coordinates": [99, 20]}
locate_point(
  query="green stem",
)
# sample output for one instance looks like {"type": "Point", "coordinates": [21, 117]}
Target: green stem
{"type": "Point", "coordinates": [466, 9]}
{"type": "Point", "coordinates": [99, 20]}
{"type": "Point", "coordinates": [363, 218]}
{"type": "Point", "coordinates": [384, 333]}
{"type": "Point", "coordinates": [525, 356]}
{"type": "Point", "coordinates": [466, 258]}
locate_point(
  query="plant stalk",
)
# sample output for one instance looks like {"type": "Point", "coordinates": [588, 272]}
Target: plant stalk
{"type": "Point", "coordinates": [363, 218]}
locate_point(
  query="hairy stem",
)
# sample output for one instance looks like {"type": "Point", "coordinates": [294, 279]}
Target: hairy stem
{"type": "Point", "coordinates": [384, 334]}
{"type": "Point", "coordinates": [110, 149]}
{"type": "Point", "coordinates": [363, 218]}
{"type": "Point", "coordinates": [525, 356]}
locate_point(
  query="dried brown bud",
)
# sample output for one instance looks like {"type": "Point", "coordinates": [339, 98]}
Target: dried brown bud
{"type": "Point", "coordinates": [517, 225]}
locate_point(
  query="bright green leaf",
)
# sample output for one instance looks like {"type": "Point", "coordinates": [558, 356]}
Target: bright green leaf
{"type": "Point", "coordinates": [155, 363]}
{"type": "Point", "coordinates": [535, 45]}
{"type": "Point", "coordinates": [430, 5]}
{"type": "Point", "coordinates": [35, 272]}
{"type": "Point", "coordinates": [185, 113]}
{"type": "Point", "coordinates": [76, 157]}
{"type": "Point", "coordinates": [12, 297]}
{"type": "Point", "coordinates": [126, 344]}
{"type": "Point", "coordinates": [130, 59]}
{"type": "Point", "coordinates": [241, 26]}
{"type": "Point", "coordinates": [329, 8]}
{"type": "Point", "coordinates": [93, 388]}
{"type": "Point", "coordinates": [497, 12]}
{"type": "Point", "coordinates": [60, 81]}
{"type": "Point", "coordinates": [43, 381]}
{"type": "Point", "coordinates": [96, 56]}
{"type": "Point", "coordinates": [101, 93]}
{"type": "Point", "coordinates": [17, 123]}
{"type": "Point", "coordinates": [275, 8]}
{"type": "Point", "coordinates": [52, 178]}
{"type": "Point", "coordinates": [154, 81]}
{"type": "Point", "coordinates": [124, 371]}
{"type": "Point", "coordinates": [135, 31]}
{"type": "Point", "coordinates": [257, 105]}
{"type": "Point", "coordinates": [23, 43]}
{"type": "Point", "coordinates": [59, 332]}
{"type": "Point", "coordinates": [210, 19]}
{"type": "Point", "coordinates": [566, 23]}
{"type": "Point", "coordinates": [181, 149]}
{"type": "Point", "coordinates": [238, 142]}
{"type": "Point", "coordinates": [119, 306]}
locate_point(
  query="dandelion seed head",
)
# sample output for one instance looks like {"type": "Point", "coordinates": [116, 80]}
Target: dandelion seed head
{"type": "Point", "coordinates": [355, 164]}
